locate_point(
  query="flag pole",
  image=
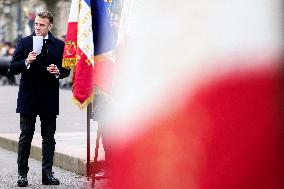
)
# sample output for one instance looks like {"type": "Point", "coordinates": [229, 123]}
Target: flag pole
{"type": "Point", "coordinates": [89, 112]}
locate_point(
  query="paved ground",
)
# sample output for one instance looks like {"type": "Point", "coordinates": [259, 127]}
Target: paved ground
{"type": "Point", "coordinates": [70, 118]}
{"type": "Point", "coordinates": [68, 180]}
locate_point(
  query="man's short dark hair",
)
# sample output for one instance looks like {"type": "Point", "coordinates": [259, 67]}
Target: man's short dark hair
{"type": "Point", "coordinates": [46, 14]}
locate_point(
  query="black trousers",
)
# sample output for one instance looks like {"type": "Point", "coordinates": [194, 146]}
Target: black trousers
{"type": "Point", "coordinates": [48, 127]}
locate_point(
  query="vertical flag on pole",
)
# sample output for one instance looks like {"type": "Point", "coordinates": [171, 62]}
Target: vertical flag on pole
{"type": "Point", "coordinates": [104, 41]}
{"type": "Point", "coordinates": [88, 34]}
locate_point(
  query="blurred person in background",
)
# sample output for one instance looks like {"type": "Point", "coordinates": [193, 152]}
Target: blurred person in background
{"type": "Point", "coordinates": [4, 49]}
{"type": "Point", "coordinates": [5, 59]}
{"type": "Point", "coordinates": [31, 18]}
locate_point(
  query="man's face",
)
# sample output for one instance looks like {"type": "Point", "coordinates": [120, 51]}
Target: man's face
{"type": "Point", "coordinates": [42, 26]}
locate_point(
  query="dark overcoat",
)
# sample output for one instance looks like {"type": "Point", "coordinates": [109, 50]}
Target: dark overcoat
{"type": "Point", "coordinates": [38, 90]}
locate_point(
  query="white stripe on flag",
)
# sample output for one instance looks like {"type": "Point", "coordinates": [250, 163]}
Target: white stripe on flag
{"type": "Point", "coordinates": [74, 11]}
{"type": "Point", "coordinates": [85, 31]}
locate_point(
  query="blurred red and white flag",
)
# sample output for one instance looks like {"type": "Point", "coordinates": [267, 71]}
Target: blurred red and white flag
{"type": "Point", "coordinates": [198, 97]}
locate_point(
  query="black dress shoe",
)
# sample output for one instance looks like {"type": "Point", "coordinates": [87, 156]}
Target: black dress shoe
{"type": "Point", "coordinates": [48, 179]}
{"type": "Point", "coordinates": [22, 181]}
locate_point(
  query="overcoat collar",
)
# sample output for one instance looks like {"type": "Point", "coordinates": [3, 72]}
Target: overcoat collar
{"type": "Point", "coordinates": [51, 38]}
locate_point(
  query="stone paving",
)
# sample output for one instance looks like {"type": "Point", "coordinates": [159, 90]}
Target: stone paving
{"type": "Point", "coordinates": [68, 180]}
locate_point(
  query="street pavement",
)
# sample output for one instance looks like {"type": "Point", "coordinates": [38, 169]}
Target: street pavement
{"type": "Point", "coordinates": [68, 180]}
{"type": "Point", "coordinates": [71, 119]}
{"type": "Point", "coordinates": [71, 145]}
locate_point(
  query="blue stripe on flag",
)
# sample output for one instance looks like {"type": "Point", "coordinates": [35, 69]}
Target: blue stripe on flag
{"type": "Point", "coordinates": [88, 2]}
{"type": "Point", "coordinates": [103, 33]}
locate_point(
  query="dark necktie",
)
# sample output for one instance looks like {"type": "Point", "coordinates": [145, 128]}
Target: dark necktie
{"type": "Point", "coordinates": [45, 46]}
{"type": "Point", "coordinates": [44, 52]}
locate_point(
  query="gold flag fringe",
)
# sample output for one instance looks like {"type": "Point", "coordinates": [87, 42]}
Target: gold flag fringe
{"type": "Point", "coordinates": [85, 103]}
{"type": "Point", "coordinates": [97, 92]}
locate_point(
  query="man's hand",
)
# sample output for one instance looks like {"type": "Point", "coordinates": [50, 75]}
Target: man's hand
{"type": "Point", "coordinates": [52, 68]}
{"type": "Point", "coordinates": [31, 57]}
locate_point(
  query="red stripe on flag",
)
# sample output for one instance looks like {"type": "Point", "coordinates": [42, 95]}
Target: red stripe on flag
{"type": "Point", "coordinates": [103, 72]}
{"type": "Point", "coordinates": [70, 48]}
{"type": "Point", "coordinates": [83, 77]}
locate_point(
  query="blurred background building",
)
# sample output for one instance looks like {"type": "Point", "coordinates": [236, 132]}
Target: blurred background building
{"type": "Point", "coordinates": [16, 17]}
{"type": "Point", "coordinates": [17, 20]}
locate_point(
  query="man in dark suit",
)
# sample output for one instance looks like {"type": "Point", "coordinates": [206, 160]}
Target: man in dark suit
{"type": "Point", "coordinates": [38, 95]}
